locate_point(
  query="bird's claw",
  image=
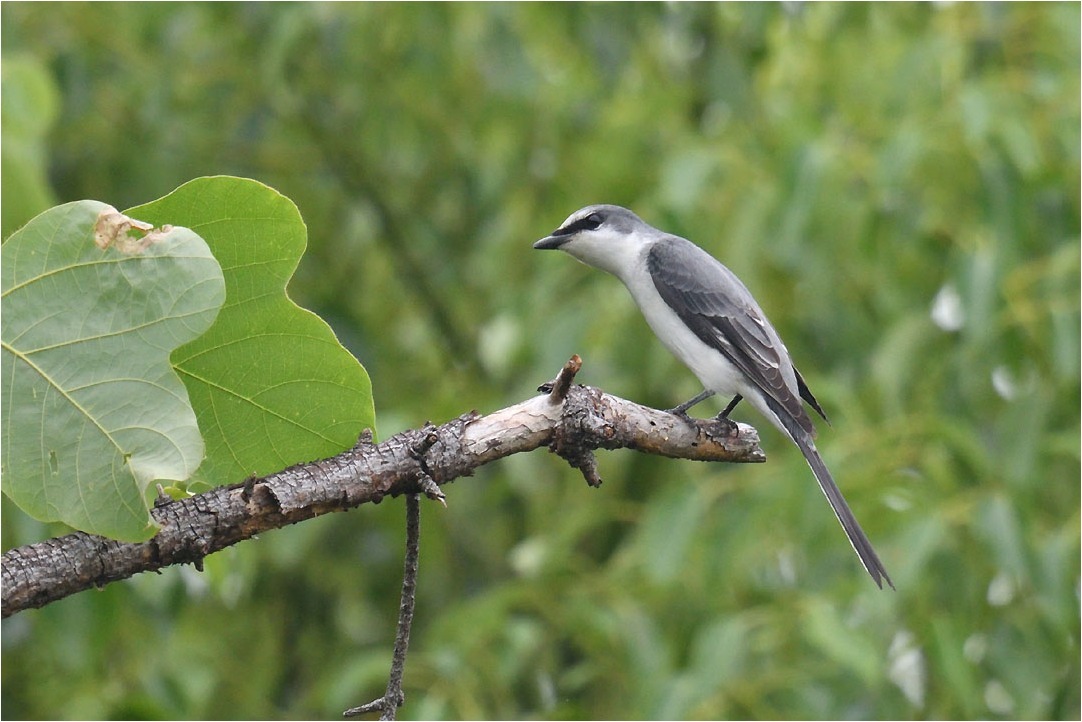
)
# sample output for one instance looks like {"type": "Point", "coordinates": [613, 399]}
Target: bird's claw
{"type": "Point", "coordinates": [681, 414]}
{"type": "Point", "coordinates": [731, 426]}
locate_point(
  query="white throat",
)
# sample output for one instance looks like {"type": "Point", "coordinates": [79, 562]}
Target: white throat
{"type": "Point", "coordinates": [622, 255]}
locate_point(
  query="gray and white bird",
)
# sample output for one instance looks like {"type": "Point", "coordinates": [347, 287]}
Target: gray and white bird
{"type": "Point", "coordinates": [709, 320]}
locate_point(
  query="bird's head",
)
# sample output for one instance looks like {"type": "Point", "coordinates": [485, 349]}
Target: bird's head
{"type": "Point", "coordinates": [608, 237]}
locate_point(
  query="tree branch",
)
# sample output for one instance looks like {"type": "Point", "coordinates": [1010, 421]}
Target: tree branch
{"type": "Point", "coordinates": [572, 425]}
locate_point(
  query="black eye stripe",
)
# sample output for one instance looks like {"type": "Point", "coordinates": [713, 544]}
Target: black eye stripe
{"type": "Point", "coordinates": [588, 223]}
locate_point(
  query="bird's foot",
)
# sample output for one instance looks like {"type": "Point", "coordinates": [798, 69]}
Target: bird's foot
{"type": "Point", "coordinates": [681, 413]}
{"type": "Point", "coordinates": [682, 409]}
{"type": "Point", "coordinates": [731, 427]}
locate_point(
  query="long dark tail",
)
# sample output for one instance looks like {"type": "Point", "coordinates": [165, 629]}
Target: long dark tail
{"type": "Point", "coordinates": [798, 432]}
{"type": "Point", "coordinates": [856, 535]}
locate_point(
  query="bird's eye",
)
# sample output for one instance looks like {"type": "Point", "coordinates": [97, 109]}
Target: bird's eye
{"type": "Point", "coordinates": [587, 223]}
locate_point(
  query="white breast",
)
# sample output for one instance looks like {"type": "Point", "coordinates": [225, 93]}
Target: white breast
{"type": "Point", "coordinates": [709, 365]}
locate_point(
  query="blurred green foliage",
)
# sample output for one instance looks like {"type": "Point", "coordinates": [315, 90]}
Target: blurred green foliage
{"type": "Point", "coordinates": [899, 186]}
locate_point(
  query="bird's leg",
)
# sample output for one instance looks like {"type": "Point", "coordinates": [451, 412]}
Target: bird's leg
{"type": "Point", "coordinates": [723, 417]}
{"type": "Point", "coordinates": [732, 405]}
{"type": "Point", "coordinates": [682, 409]}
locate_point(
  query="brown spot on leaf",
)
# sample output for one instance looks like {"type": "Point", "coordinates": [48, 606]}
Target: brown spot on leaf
{"type": "Point", "coordinates": [127, 235]}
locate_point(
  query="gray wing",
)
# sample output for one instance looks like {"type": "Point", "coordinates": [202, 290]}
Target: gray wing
{"type": "Point", "coordinates": [713, 302]}
{"type": "Point", "coordinates": [721, 311]}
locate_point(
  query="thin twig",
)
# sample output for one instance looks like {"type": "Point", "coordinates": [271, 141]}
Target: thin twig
{"type": "Point", "coordinates": [394, 697]}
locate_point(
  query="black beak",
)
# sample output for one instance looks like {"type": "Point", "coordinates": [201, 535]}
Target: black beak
{"type": "Point", "coordinates": [551, 242]}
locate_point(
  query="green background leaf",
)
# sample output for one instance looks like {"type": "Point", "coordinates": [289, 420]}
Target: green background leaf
{"type": "Point", "coordinates": [269, 381]}
{"type": "Point", "coordinates": [28, 109]}
{"type": "Point", "coordinates": [93, 411]}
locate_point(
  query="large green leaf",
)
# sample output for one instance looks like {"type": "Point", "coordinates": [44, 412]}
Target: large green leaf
{"type": "Point", "coordinates": [93, 411]}
{"type": "Point", "coordinates": [270, 383]}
